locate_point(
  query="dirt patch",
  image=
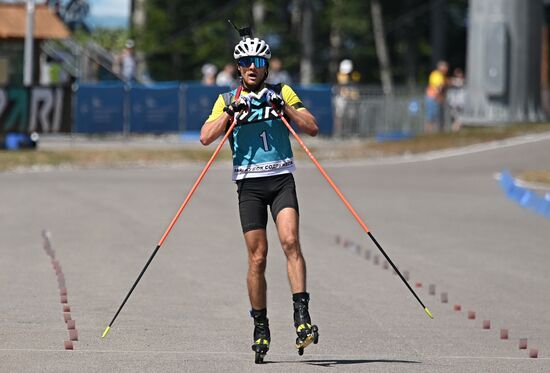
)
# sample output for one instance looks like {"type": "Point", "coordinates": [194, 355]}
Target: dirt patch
{"type": "Point", "coordinates": [536, 176]}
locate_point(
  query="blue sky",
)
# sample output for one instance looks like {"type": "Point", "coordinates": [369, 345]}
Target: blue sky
{"type": "Point", "coordinates": [109, 8]}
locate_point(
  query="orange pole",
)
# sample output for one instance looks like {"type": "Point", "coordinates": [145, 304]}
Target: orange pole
{"type": "Point", "coordinates": [201, 176]}
{"type": "Point", "coordinates": [325, 175]}
{"type": "Point", "coordinates": [353, 212]}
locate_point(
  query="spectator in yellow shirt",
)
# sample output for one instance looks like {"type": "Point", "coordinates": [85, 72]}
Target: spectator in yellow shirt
{"type": "Point", "coordinates": [435, 97]}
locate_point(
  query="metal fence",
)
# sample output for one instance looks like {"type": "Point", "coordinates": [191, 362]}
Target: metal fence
{"type": "Point", "coordinates": [368, 112]}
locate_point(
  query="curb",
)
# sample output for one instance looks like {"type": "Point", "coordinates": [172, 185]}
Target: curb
{"type": "Point", "coordinates": [524, 197]}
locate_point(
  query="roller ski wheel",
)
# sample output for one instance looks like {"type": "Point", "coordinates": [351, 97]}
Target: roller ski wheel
{"type": "Point", "coordinates": [260, 351]}
{"type": "Point", "coordinates": [262, 335]}
{"type": "Point", "coordinates": [306, 335]}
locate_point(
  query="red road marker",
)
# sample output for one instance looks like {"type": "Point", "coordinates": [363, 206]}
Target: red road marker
{"type": "Point", "coordinates": [431, 289]}
{"type": "Point", "coordinates": [523, 343]}
{"type": "Point", "coordinates": [418, 284]}
{"type": "Point", "coordinates": [63, 291]}
{"type": "Point", "coordinates": [73, 335]}
{"type": "Point", "coordinates": [66, 316]}
{"type": "Point", "coordinates": [63, 299]}
{"type": "Point", "coordinates": [444, 298]}
{"type": "Point", "coordinates": [69, 345]}
{"type": "Point", "coordinates": [71, 324]}
{"type": "Point", "coordinates": [486, 324]}
{"type": "Point", "coordinates": [66, 308]}
{"type": "Point", "coordinates": [503, 333]}
{"type": "Point", "coordinates": [533, 353]}
{"type": "Point", "coordinates": [471, 315]}
{"type": "Point", "coordinates": [457, 307]}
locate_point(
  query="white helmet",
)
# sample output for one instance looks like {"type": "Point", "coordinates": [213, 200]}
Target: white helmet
{"type": "Point", "coordinates": [252, 48]}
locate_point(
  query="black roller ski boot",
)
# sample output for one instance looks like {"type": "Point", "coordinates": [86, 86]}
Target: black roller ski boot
{"type": "Point", "coordinates": [306, 332]}
{"type": "Point", "coordinates": [262, 336]}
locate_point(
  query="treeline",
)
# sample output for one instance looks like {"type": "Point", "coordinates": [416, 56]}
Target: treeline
{"type": "Point", "coordinates": [179, 36]}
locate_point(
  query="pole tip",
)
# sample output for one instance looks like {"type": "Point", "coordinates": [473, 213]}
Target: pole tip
{"type": "Point", "coordinates": [107, 330]}
{"type": "Point", "coordinates": [428, 312]}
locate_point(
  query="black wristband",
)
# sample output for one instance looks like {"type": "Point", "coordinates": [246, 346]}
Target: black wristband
{"type": "Point", "coordinates": [229, 110]}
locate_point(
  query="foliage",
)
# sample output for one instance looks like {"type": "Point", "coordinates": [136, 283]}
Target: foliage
{"type": "Point", "coordinates": [181, 35]}
{"type": "Point", "coordinates": [111, 39]}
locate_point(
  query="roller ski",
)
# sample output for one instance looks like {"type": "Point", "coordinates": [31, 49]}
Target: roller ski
{"type": "Point", "coordinates": [306, 332]}
{"type": "Point", "coordinates": [262, 336]}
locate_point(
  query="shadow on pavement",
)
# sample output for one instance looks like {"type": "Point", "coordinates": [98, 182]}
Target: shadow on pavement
{"type": "Point", "coordinates": [336, 362]}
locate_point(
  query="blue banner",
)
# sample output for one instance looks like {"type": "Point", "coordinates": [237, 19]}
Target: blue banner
{"type": "Point", "coordinates": [318, 100]}
{"type": "Point", "coordinates": [155, 109]}
{"type": "Point", "coordinates": [99, 108]}
{"type": "Point", "coordinates": [169, 107]}
{"type": "Point", "coordinates": [198, 101]}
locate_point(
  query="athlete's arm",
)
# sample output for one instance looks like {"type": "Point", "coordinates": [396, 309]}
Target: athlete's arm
{"type": "Point", "coordinates": [297, 113]}
{"type": "Point", "coordinates": [215, 124]}
{"type": "Point", "coordinates": [305, 121]}
{"type": "Point", "coordinates": [213, 129]}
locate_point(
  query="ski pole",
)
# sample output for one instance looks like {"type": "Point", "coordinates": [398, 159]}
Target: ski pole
{"type": "Point", "coordinates": [351, 209]}
{"type": "Point", "coordinates": [185, 202]}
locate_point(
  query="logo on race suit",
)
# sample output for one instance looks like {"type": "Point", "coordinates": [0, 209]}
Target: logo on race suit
{"type": "Point", "coordinates": [259, 111]}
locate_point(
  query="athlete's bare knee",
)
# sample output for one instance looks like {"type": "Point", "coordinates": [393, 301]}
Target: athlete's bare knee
{"type": "Point", "coordinates": [291, 247]}
{"type": "Point", "coordinates": [257, 262]}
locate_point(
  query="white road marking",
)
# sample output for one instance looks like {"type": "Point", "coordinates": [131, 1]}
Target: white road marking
{"type": "Point", "coordinates": [440, 154]}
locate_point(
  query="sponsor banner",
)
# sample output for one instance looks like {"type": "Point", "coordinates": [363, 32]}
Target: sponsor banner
{"type": "Point", "coordinates": [198, 101]}
{"type": "Point", "coordinates": [318, 100]}
{"type": "Point", "coordinates": [99, 108]}
{"type": "Point", "coordinates": [112, 107]}
{"type": "Point", "coordinates": [155, 109]}
{"type": "Point", "coordinates": [264, 169]}
{"type": "Point", "coordinates": [35, 109]}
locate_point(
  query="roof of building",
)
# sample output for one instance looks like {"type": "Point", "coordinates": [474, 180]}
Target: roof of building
{"type": "Point", "coordinates": [13, 21]}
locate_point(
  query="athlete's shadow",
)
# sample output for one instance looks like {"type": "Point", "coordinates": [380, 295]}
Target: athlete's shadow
{"type": "Point", "coordinates": [335, 362]}
{"type": "Point", "coordinates": [328, 363]}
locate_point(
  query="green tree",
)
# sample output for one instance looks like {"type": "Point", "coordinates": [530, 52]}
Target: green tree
{"type": "Point", "coordinates": [181, 35]}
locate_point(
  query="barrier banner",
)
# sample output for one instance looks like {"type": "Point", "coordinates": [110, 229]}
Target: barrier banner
{"type": "Point", "coordinates": [198, 101]}
{"type": "Point", "coordinates": [36, 109]}
{"type": "Point", "coordinates": [99, 108]}
{"type": "Point", "coordinates": [155, 109]}
{"type": "Point", "coordinates": [318, 100]}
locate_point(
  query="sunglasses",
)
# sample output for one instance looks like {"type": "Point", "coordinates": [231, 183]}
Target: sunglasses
{"type": "Point", "coordinates": [257, 61]}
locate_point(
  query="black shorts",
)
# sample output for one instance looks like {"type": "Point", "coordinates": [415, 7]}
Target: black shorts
{"type": "Point", "coordinates": [255, 194]}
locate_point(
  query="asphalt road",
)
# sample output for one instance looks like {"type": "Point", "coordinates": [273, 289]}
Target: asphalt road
{"type": "Point", "coordinates": [444, 221]}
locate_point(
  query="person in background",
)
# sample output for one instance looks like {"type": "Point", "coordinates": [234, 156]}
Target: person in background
{"type": "Point", "coordinates": [345, 95]}
{"type": "Point", "coordinates": [435, 98]}
{"type": "Point", "coordinates": [277, 74]}
{"type": "Point", "coordinates": [456, 98]}
{"type": "Point", "coordinates": [125, 63]}
{"type": "Point", "coordinates": [226, 77]}
{"type": "Point", "coordinates": [209, 71]}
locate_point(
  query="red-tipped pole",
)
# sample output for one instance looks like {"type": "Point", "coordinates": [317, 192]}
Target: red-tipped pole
{"type": "Point", "coordinates": [172, 223]}
{"type": "Point", "coordinates": [351, 209]}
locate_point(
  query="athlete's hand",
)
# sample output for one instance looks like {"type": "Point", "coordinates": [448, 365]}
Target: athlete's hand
{"type": "Point", "coordinates": [242, 104]}
{"type": "Point", "coordinates": [275, 100]}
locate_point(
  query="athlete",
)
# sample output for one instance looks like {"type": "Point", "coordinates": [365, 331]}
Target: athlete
{"type": "Point", "coordinates": [262, 169]}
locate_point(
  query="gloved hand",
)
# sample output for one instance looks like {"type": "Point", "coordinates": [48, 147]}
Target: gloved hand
{"type": "Point", "coordinates": [275, 100]}
{"type": "Point", "coordinates": [241, 104]}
